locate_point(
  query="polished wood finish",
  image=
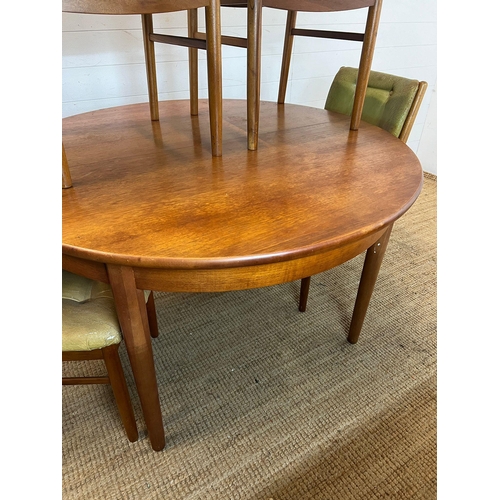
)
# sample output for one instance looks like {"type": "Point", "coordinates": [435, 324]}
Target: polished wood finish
{"type": "Point", "coordinates": [130, 307]}
{"type": "Point", "coordinates": [166, 215]}
{"type": "Point", "coordinates": [212, 44]}
{"type": "Point", "coordinates": [373, 261]}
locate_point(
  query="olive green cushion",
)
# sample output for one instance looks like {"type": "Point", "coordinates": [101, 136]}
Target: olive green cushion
{"type": "Point", "coordinates": [387, 102]}
{"type": "Point", "coordinates": [89, 319]}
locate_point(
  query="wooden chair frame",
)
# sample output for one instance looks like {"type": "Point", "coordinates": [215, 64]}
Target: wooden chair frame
{"type": "Point", "coordinates": [253, 45]}
{"type": "Point", "coordinates": [115, 375]}
{"type": "Point", "coordinates": [212, 45]}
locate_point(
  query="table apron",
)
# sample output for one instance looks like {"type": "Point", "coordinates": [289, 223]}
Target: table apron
{"type": "Point", "coordinates": [246, 277]}
{"type": "Point", "coordinates": [228, 278]}
{"type": "Point", "coordinates": [84, 267]}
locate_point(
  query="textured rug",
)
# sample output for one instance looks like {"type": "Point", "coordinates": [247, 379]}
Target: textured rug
{"type": "Point", "coordinates": [263, 402]}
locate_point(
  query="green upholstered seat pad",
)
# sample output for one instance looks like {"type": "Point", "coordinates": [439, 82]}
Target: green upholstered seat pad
{"type": "Point", "coordinates": [387, 102]}
{"type": "Point", "coordinates": [89, 319]}
{"type": "Point", "coordinates": [89, 325]}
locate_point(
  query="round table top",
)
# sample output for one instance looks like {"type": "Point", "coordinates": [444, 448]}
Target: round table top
{"type": "Point", "coordinates": [150, 194]}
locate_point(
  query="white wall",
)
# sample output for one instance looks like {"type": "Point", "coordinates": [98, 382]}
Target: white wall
{"type": "Point", "coordinates": [103, 59]}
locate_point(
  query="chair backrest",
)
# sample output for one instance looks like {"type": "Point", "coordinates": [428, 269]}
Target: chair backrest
{"type": "Point", "coordinates": [391, 102]}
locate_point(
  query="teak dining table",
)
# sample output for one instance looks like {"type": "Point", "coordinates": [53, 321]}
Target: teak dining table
{"type": "Point", "coordinates": [152, 209]}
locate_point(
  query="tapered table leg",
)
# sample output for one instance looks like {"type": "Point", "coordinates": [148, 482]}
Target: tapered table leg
{"type": "Point", "coordinates": [304, 293]}
{"type": "Point", "coordinates": [130, 307]}
{"type": "Point", "coordinates": [371, 267]}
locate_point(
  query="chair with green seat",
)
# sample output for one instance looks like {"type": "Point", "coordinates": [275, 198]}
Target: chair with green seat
{"type": "Point", "coordinates": [391, 103]}
{"type": "Point", "coordinates": [90, 331]}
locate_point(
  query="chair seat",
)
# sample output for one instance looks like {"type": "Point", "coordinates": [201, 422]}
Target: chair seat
{"type": "Point", "coordinates": [89, 319]}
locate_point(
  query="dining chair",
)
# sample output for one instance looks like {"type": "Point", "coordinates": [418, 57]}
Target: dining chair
{"type": "Point", "coordinates": [90, 331]}
{"type": "Point", "coordinates": [146, 9]}
{"type": "Point", "coordinates": [253, 45]}
{"type": "Point", "coordinates": [391, 103]}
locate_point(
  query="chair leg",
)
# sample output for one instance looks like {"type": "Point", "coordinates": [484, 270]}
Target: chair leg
{"type": "Point", "coordinates": [254, 38]}
{"type": "Point", "coordinates": [365, 62]}
{"type": "Point", "coordinates": [120, 390]}
{"type": "Point", "coordinates": [304, 293]}
{"type": "Point", "coordinates": [214, 67]}
{"type": "Point", "coordinates": [149, 52]}
{"type": "Point", "coordinates": [287, 54]}
{"type": "Point", "coordinates": [193, 62]}
{"type": "Point", "coordinates": [66, 174]}
{"type": "Point", "coordinates": [152, 318]}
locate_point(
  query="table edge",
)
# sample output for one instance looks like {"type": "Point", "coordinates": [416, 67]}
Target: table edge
{"type": "Point", "coordinates": [237, 261]}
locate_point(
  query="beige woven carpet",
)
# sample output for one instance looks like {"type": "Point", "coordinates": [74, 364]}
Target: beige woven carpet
{"type": "Point", "coordinates": [263, 402]}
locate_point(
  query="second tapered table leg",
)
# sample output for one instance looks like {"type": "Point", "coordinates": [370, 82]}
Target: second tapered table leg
{"type": "Point", "coordinates": [129, 306]}
{"type": "Point", "coordinates": [371, 267]}
{"type": "Point", "coordinates": [304, 293]}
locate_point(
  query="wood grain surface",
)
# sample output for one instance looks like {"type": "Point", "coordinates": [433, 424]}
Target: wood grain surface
{"type": "Point", "coordinates": [151, 194]}
{"type": "Point", "coordinates": [151, 208]}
